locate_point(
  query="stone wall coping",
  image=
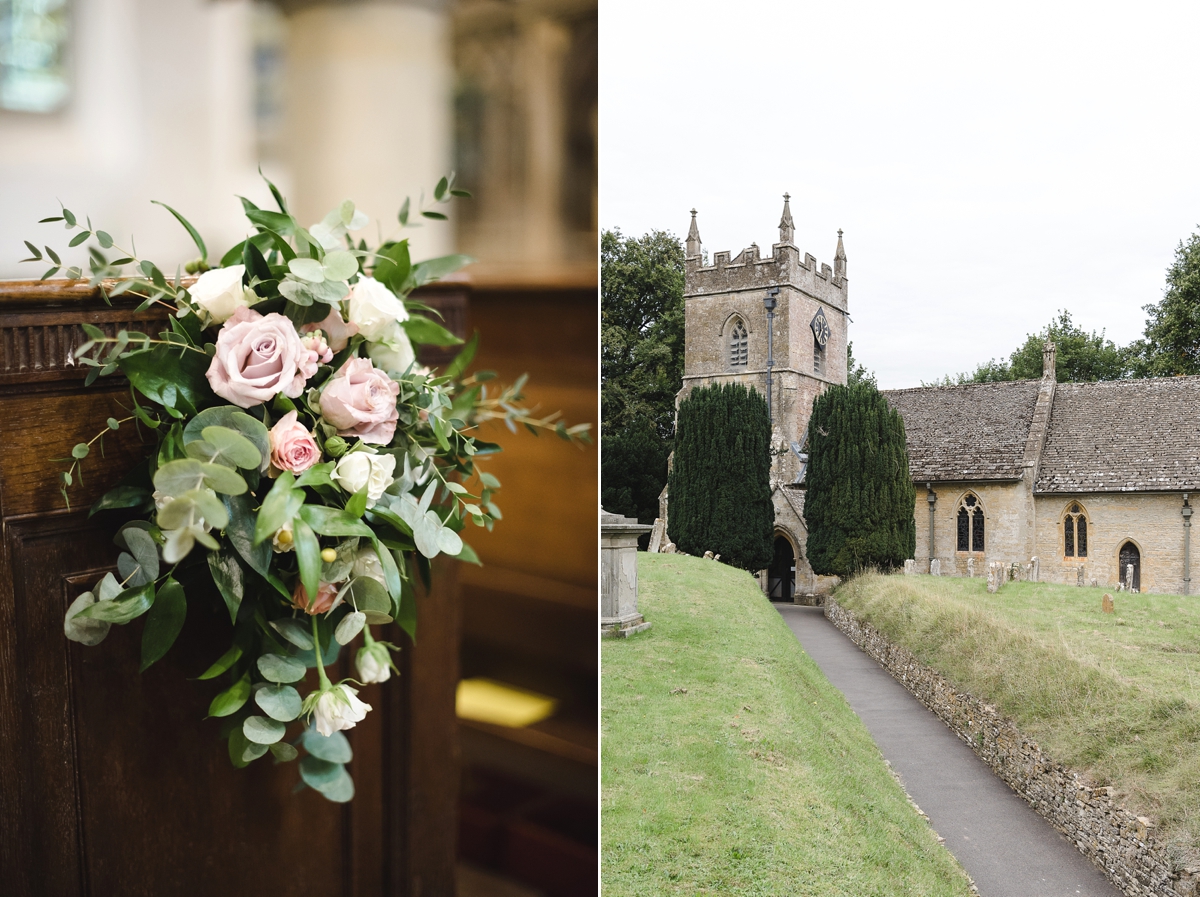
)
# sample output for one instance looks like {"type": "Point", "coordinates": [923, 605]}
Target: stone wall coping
{"type": "Point", "coordinates": [1121, 844]}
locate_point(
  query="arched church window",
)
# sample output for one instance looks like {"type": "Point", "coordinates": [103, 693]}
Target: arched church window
{"type": "Point", "coordinates": [970, 524]}
{"type": "Point", "coordinates": [737, 345]}
{"type": "Point", "coordinates": [1075, 532]}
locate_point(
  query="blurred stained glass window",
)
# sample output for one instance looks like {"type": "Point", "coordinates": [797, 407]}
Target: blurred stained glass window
{"type": "Point", "coordinates": [33, 55]}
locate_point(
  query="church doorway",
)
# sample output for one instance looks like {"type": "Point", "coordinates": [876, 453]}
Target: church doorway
{"type": "Point", "coordinates": [781, 575]}
{"type": "Point", "coordinates": [1130, 556]}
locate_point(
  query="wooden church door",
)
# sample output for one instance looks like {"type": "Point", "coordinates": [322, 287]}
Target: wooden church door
{"type": "Point", "coordinates": [1130, 556]}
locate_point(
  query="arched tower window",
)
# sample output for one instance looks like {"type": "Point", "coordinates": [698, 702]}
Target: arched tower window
{"type": "Point", "coordinates": [737, 345]}
{"type": "Point", "coordinates": [1075, 532]}
{"type": "Point", "coordinates": [970, 524]}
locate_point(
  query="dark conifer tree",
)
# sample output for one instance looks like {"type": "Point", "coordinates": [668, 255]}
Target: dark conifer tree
{"type": "Point", "coordinates": [859, 502]}
{"type": "Point", "coordinates": [720, 482]}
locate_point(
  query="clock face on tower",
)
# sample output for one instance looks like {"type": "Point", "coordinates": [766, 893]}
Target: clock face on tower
{"type": "Point", "coordinates": [820, 328]}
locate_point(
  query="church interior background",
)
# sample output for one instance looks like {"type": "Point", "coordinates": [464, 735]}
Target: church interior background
{"type": "Point", "coordinates": [108, 104]}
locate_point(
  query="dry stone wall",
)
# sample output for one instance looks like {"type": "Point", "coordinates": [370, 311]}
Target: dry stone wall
{"type": "Point", "coordinates": [1121, 844]}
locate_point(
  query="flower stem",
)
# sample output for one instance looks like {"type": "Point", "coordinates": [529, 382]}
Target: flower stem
{"type": "Point", "coordinates": [324, 679]}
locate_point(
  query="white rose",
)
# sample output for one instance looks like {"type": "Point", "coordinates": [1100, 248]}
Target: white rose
{"type": "Point", "coordinates": [375, 309]}
{"type": "Point", "coordinates": [359, 469]}
{"type": "Point", "coordinates": [339, 708]}
{"type": "Point", "coordinates": [394, 353]}
{"type": "Point", "coordinates": [219, 293]}
{"type": "Point", "coordinates": [366, 563]}
{"type": "Point", "coordinates": [373, 663]}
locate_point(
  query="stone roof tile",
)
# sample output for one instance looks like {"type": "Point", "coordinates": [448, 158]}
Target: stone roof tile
{"type": "Point", "coordinates": [1123, 436]}
{"type": "Point", "coordinates": [976, 431]}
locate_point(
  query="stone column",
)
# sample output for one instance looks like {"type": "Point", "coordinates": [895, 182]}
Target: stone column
{"type": "Point", "coordinates": [369, 111]}
{"type": "Point", "coordinates": [619, 615]}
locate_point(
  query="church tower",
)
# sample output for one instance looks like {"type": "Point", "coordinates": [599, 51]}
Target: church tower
{"type": "Point", "coordinates": [726, 339]}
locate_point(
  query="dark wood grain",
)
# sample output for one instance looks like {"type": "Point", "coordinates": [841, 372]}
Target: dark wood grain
{"type": "Point", "coordinates": [111, 781]}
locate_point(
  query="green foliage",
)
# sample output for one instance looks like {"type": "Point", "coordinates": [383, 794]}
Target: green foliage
{"type": "Point", "coordinates": [1172, 343]}
{"type": "Point", "coordinates": [641, 366]}
{"type": "Point", "coordinates": [859, 504]}
{"type": "Point", "coordinates": [720, 483]}
{"type": "Point", "coordinates": [1080, 357]}
{"type": "Point", "coordinates": [855, 372]}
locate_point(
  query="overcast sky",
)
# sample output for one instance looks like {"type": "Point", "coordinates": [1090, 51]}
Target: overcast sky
{"type": "Point", "coordinates": [989, 165]}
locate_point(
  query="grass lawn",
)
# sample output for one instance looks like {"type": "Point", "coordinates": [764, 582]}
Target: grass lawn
{"type": "Point", "coordinates": [1116, 695]}
{"type": "Point", "coordinates": [732, 766]}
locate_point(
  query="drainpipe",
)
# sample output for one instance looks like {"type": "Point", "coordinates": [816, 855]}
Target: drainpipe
{"type": "Point", "coordinates": [931, 497]}
{"type": "Point", "coordinates": [1186, 511]}
{"type": "Point", "coordinates": [769, 303]}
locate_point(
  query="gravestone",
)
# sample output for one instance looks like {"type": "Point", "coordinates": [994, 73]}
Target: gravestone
{"type": "Point", "coordinates": [910, 567]}
{"type": "Point", "coordinates": [1033, 569]}
{"type": "Point", "coordinates": [971, 567]}
{"type": "Point", "coordinates": [935, 566]}
{"type": "Point", "coordinates": [1079, 576]}
{"type": "Point", "coordinates": [1129, 577]}
{"type": "Point", "coordinates": [1106, 604]}
{"type": "Point", "coordinates": [619, 615]}
{"type": "Point", "coordinates": [658, 535]}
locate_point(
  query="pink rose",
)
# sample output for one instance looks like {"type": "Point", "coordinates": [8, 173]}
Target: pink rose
{"type": "Point", "coordinates": [360, 400]}
{"type": "Point", "coordinates": [326, 593]}
{"type": "Point", "coordinates": [292, 446]}
{"type": "Point", "coordinates": [258, 357]}
{"type": "Point", "coordinates": [337, 331]}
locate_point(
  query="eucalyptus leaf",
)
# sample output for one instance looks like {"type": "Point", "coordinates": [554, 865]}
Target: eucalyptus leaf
{"type": "Point", "coordinates": [108, 588]}
{"type": "Point", "coordinates": [263, 730]}
{"type": "Point", "coordinates": [234, 418]}
{"type": "Point", "coordinates": [254, 750]}
{"type": "Point", "coordinates": [233, 445]}
{"type": "Point", "coordinates": [307, 269]}
{"type": "Point", "coordinates": [334, 522]}
{"type": "Point", "coordinates": [351, 625]}
{"type": "Point", "coordinates": [281, 668]}
{"type": "Point", "coordinates": [333, 748]}
{"type": "Point", "coordinates": [85, 631]}
{"type": "Point", "coordinates": [131, 571]}
{"type": "Point", "coordinates": [366, 594]}
{"type": "Point", "coordinates": [339, 265]}
{"type": "Point", "coordinates": [164, 622]}
{"type": "Point", "coordinates": [231, 699]}
{"type": "Point", "coordinates": [238, 747]}
{"type": "Point", "coordinates": [295, 632]}
{"type": "Point", "coordinates": [280, 702]}
{"type": "Point", "coordinates": [144, 550]}
{"type": "Point", "coordinates": [341, 790]}
{"type": "Point", "coordinates": [121, 497]}
{"type": "Point", "coordinates": [284, 752]}
{"type": "Point", "coordinates": [321, 774]}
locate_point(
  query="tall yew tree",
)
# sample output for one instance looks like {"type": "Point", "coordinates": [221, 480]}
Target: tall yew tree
{"type": "Point", "coordinates": [859, 503]}
{"type": "Point", "coordinates": [720, 482]}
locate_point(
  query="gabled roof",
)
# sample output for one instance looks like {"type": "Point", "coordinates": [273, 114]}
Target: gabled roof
{"type": "Point", "coordinates": [1123, 436]}
{"type": "Point", "coordinates": [976, 431]}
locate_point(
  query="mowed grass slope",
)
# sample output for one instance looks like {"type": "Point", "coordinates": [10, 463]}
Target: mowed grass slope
{"type": "Point", "coordinates": [759, 779]}
{"type": "Point", "coordinates": [1115, 695]}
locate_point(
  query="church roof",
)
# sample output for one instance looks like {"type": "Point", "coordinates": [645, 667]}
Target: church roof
{"type": "Point", "coordinates": [1123, 436]}
{"type": "Point", "coordinates": [976, 431]}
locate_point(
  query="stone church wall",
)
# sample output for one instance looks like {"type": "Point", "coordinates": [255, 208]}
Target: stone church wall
{"type": "Point", "coordinates": [1152, 521]}
{"type": "Point", "coordinates": [1005, 526]}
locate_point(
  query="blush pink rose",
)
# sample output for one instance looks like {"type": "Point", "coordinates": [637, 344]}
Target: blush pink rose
{"type": "Point", "coordinates": [360, 400]}
{"type": "Point", "coordinates": [336, 331]}
{"type": "Point", "coordinates": [326, 595]}
{"type": "Point", "coordinates": [258, 357]}
{"type": "Point", "coordinates": [292, 446]}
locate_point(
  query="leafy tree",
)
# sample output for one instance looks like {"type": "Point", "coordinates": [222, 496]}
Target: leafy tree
{"type": "Point", "coordinates": [855, 372]}
{"type": "Point", "coordinates": [720, 484]}
{"type": "Point", "coordinates": [641, 366]}
{"type": "Point", "coordinates": [1172, 343]}
{"type": "Point", "coordinates": [860, 498]}
{"type": "Point", "coordinates": [1080, 357]}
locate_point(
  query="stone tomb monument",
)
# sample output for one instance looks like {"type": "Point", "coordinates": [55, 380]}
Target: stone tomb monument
{"type": "Point", "coordinates": [619, 617]}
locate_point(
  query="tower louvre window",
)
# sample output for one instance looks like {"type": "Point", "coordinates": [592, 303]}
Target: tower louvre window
{"type": "Point", "coordinates": [737, 346]}
{"type": "Point", "coordinates": [970, 524]}
{"type": "Point", "coordinates": [818, 359]}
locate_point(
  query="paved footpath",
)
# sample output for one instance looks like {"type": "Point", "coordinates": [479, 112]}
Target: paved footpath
{"type": "Point", "coordinates": [1006, 847]}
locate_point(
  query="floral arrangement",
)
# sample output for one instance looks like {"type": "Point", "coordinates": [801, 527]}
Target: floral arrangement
{"type": "Point", "coordinates": [299, 443]}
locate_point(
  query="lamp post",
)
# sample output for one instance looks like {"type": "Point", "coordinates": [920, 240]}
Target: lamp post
{"type": "Point", "coordinates": [769, 303]}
